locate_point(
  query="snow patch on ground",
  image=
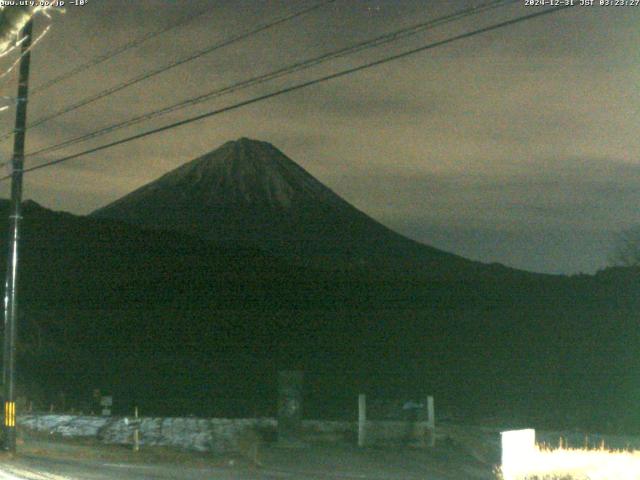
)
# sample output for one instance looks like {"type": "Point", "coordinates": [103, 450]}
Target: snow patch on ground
{"type": "Point", "coordinates": [196, 434]}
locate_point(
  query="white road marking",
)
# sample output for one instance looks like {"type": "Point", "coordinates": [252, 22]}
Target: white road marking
{"type": "Point", "coordinates": [8, 476]}
{"type": "Point", "coordinates": [126, 465]}
{"type": "Point", "coordinates": [14, 473]}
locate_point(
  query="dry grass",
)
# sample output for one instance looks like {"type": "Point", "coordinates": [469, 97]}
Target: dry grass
{"type": "Point", "coordinates": [577, 464]}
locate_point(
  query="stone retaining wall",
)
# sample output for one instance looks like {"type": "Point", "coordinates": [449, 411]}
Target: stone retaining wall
{"type": "Point", "coordinates": [219, 435]}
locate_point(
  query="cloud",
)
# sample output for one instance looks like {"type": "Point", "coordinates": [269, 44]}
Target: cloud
{"type": "Point", "coordinates": [568, 207]}
{"type": "Point", "coordinates": [528, 132]}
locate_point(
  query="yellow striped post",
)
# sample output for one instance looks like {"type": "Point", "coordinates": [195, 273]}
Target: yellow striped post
{"type": "Point", "coordinates": [9, 414]}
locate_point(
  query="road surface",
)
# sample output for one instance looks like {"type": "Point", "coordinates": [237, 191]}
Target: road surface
{"type": "Point", "coordinates": [311, 463]}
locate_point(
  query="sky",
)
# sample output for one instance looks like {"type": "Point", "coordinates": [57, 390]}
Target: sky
{"type": "Point", "coordinates": [518, 146]}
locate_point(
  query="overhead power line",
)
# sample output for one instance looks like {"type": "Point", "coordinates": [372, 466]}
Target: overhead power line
{"type": "Point", "coordinates": [299, 86]}
{"type": "Point", "coordinates": [147, 75]}
{"type": "Point", "coordinates": [299, 66]}
{"type": "Point", "coordinates": [117, 51]}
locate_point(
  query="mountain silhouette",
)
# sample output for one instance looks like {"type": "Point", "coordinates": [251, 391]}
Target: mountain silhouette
{"type": "Point", "coordinates": [249, 192]}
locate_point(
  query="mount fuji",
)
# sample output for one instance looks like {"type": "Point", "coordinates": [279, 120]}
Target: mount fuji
{"type": "Point", "coordinates": [249, 192]}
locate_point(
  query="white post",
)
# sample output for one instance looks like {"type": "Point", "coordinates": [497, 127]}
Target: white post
{"type": "Point", "coordinates": [136, 433]}
{"type": "Point", "coordinates": [431, 421]}
{"type": "Point", "coordinates": [362, 418]}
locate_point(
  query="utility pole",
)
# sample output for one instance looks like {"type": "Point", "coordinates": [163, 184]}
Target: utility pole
{"type": "Point", "coordinates": [15, 215]}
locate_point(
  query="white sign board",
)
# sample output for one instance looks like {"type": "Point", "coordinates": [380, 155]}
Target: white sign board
{"type": "Point", "coordinates": [518, 451]}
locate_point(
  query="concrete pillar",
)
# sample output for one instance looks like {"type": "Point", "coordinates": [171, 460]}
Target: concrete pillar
{"type": "Point", "coordinates": [431, 421]}
{"type": "Point", "coordinates": [290, 384]}
{"type": "Point", "coordinates": [425, 424]}
{"type": "Point", "coordinates": [362, 419]}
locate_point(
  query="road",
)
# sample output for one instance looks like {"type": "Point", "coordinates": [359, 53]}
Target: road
{"type": "Point", "coordinates": [48, 459]}
{"type": "Point", "coordinates": [36, 467]}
